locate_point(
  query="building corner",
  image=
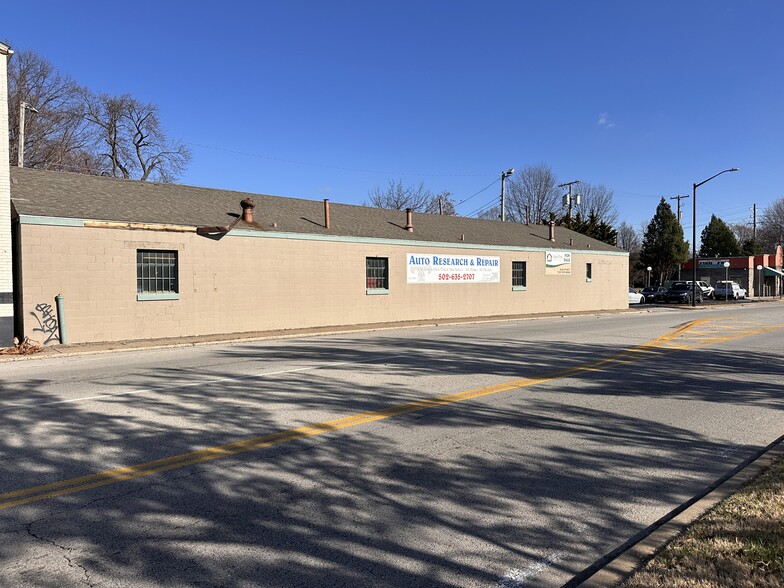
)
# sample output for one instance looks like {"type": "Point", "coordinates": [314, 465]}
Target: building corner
{"type": "Point", "coordinates": [6, 260]}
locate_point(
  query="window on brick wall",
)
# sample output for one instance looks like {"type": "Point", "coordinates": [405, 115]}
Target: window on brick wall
{"type": "Point", "coordinates": [377, 275]}
{"type": "Point", "coordinates": [519, 280]}
{"type": "Point", "coordinates": [156, 275]}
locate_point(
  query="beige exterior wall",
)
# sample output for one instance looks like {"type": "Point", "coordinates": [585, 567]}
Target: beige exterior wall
{"type": "Point", "coordinates": [242, 284]}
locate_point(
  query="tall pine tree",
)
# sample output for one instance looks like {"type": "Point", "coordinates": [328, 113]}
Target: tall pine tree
{"type": "Point", "coordinates": [663, 246]}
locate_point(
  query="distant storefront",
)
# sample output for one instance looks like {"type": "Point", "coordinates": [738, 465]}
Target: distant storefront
{"type": "Point", "coordinates": [767, 281]}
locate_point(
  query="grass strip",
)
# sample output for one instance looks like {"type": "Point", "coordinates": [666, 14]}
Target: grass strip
{"type": "Point", "coordinates": [739, 543]}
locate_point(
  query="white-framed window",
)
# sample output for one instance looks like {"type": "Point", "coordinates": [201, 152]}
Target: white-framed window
{"type": "Point", "coordinates": [157, 275]}
{"type": "Point", "coordinates": [588, 272]}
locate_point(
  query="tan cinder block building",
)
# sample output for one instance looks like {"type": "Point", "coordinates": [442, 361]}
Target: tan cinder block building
{"type": "Point", "coordinates": [137, 260]}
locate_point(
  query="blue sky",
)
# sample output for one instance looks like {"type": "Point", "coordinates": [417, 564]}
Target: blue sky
{"type": "Point", "coordinates": [329, 99]}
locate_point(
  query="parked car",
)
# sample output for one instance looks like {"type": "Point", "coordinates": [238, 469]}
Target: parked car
{"type": "Point", "coordinates": [726, 290]}
{"type": "Point", "coordinates": [682, 292]}
{"type": "Point", "coordinates": [707, 291]}
{"type": "Point", "coordinates": [654, 294]}
{"type": "Point", "coordinates": [635, 297]}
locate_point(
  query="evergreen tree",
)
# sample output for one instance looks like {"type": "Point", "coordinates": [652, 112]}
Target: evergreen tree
{"type": "Point", "coordinates": [718, 240]}
{"type": "Point", "coordinates": [593, 227]}
{"type": "Point", "coordinates": [663, 246]}
{"type": "Point", "coordinates": [750, 247]}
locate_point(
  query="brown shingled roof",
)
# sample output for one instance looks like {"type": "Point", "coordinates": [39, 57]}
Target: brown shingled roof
{"type": "Point", "coordinates": [68, 195]}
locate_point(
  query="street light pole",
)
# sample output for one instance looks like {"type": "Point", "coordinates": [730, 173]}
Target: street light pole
{"type": "Point", "coordinates": [726, 279]}
{"type": "Point", "coordinates": [23, 106]}
{"type": "Point", "coordinates": [649, 276]}
{"type": "Point", "coordinates": [504, 175]}
{"type": "Point", "coordinates": [759, 282]}
{"type": "Point", "coordinates": [694, 233]}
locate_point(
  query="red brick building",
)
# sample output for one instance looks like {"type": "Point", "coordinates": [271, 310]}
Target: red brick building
{"type": "Point", "coordinates": [768, 281]}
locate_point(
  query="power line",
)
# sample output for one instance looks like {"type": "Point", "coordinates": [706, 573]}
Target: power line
{"type": "Point", "coordinates": [477, 193]}
{"type": "Point", "coordinates": [484, 207]}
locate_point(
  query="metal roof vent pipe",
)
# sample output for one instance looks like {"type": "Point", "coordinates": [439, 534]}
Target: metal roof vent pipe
{"type": "Point", "coordinates": [326, 213]}
{"type": "Point", "coordinates": [247, 210]}
{"type": "Point", "coordinates": [552, 227]}
{"type": "Point", "coordinates": [571, 242]}
{"type": "Point", "coordinates": [409, 223]}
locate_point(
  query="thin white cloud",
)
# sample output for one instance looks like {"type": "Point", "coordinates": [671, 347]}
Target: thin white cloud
{"type": "Point", "coordinates": [604, 120]}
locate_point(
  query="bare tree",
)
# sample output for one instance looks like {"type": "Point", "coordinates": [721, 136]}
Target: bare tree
{"type": "Point", "coordinates": [493, 213]}
{"type": "Point", "coordinates": [441, 204]}
{"type": "Point", "coordinates": [771, 231]}
{"type": "Point", "coordinates": [535, 187]}
{"type": "Point", "coordinates": [396, 196]}
{"type": "Point", "coordinates": [628, 239]}
{"type": "Point", "coordinates": [743, 231]}
{"type": "Point", "coordinates": [76, 130]}
{"type": "Point", "coordinates": [597, 199]}
{"type": "Point", "coordinates": [57, 136]}
{"type": "Point", "coordinates": [130, 139]}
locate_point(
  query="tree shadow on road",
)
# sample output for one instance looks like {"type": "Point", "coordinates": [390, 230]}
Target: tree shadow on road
{"type": "Point", "coordinates": [442, 496]}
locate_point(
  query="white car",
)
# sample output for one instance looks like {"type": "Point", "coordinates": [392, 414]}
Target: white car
{"type": "Point", "coordinates": [726, 290]}
{"type": "Point", "coordinates": [635, 297]}
{"type": "Point", "coordinates": [707, 291]}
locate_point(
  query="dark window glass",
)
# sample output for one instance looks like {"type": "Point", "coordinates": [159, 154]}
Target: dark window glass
{"type": "Point", "coordinates": [377, 273]}
{"type": "Point", "coordinates": [518, 274]}
{"type": "Point", "coordinates": [156, 271]}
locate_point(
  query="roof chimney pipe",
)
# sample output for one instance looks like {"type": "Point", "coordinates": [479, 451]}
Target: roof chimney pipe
{"type": "Point", "coordinates": [409, 223]}
{"type": "Point", "coordinates": [326, 213]}
{"type": "Point", "coordinates": [552, 227]}
{"type": "Point", "coordinates": [247, 209]}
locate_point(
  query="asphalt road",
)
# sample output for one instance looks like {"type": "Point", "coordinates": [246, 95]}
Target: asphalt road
{"type": "Point", "coordinates": [499, 454]}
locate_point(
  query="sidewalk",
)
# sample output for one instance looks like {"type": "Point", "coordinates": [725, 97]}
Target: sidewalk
{"type": "Point", "coordinates": [57, 350]}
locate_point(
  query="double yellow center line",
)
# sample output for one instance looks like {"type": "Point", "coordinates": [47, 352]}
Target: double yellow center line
{"type": "Point", "coordinates": [36, 493]}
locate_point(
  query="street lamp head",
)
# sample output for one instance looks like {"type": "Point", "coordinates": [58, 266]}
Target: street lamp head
{"type": "Point", "coordinates": [726, 264]}
{"type": "Point", "coordinates": [510, 171]}
{"type": "Point", "coordinates": [649, 268]}
{"type": "Point", "coordinates": [759, 267]}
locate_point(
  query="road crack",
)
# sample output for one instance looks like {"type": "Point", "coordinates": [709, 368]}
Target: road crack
{"type": "Point", "coordinates": [67, 553]}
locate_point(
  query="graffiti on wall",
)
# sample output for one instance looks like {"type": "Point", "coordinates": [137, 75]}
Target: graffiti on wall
{"type": "Point", "coordinates": [47, 322]}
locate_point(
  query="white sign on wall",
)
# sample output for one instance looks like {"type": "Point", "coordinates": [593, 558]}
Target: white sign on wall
{"type": "Point", "coordinates": [438, 268]}
{"type": "Point", "coordinates": [558, 263]}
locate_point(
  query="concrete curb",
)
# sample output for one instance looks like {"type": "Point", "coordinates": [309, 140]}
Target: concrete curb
{"type": "Point", "coordinates": [149, 344]}
{"type": "Point", "coordinates": [620, 563]}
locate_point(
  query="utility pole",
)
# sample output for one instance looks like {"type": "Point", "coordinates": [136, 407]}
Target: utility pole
{"type": "Point", "coordinates": [22, 107]}
{"type": "Point", "coordinates": [504, 175]}
{"type": "Point", "coordinates": [678, 198]}
{"type": "Point", "coordinates": [568, 200]}
{"type": "Point", "coordinates": [754, 225]}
